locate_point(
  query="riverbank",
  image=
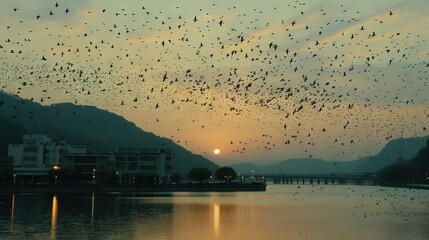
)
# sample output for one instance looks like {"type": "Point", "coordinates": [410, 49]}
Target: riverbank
{"type": "Point", "coordinates": [58, 188]}
{"type": "Point", "coordinates": [404, 185]}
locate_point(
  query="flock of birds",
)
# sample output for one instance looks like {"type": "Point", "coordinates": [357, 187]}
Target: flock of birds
{"type": "Point", "coordinates": [258, 80]}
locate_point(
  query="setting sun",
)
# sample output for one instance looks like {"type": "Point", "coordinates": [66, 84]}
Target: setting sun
{"type": "Point", "coordinates": [216, 151]}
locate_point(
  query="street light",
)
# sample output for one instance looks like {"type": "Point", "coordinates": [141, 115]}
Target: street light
{"type": "Point", "coordinates": [56, 169]}
{"type": "Point", "coordinates": [252, 175]}
{"type": "Point", "coordinates": [14, 178]}
{"type": "Point", "coordinates": [228, 179]}
{"type": "Point", "coordinates": [120, 176]}
{"type": "Point", "coordinates": [93, 176]}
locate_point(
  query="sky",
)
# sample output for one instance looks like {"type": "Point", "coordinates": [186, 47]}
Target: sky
{"type": "Point", "coordinates": [262, 81]}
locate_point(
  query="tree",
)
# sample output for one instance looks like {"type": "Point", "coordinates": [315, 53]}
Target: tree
{"type": "Point", "coordinates": [415, 170]}
{"type": "Point", "coordinates": [199, 174]}
{"type": "Point", "coordinates": [396, 173]}
{"type": "Point", "coordinates": [175, 178]}
{"type": "Point", "coordinates": [6, 170]}
{"type": "Point", "coordinates": [226, 173]}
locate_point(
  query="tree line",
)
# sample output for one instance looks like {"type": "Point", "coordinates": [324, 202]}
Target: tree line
{"type": "Point", "coordinates": [415, 170]}
{"type": "Point", "coordinates": [201, 175]}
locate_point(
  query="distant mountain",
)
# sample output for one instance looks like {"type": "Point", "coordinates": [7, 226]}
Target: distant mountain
{"type": "Point", "coordinates": [103, 131]}
{"type": "Point", "coordinates": [402, 148]}
{"type": "Point", "coordinates": [300, 165]}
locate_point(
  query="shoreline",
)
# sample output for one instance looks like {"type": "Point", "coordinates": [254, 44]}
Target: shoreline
{"type": "Point", "coordinates": [61, 188]}
{"type": "Point", "coordinates": [410, 186]}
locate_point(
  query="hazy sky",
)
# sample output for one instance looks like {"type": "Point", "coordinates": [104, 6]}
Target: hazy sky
{"type": "Point", "coordinates": [260, 80]}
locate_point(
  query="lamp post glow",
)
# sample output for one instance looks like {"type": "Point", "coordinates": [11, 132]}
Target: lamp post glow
{"type": "Point", "coordinates": [252, 175]}
{"type": "Point", "coordinates": [14, 178]}
{"type": "Point", "coordinates": [56, 169]}
{"type": "Point", "coordinates": [120, 177]}
{"type": "Point", "coordinates": [93, 176]}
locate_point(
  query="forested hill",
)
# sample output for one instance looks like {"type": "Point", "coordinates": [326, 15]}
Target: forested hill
{"type": "Point", "coordinates": [103, 131]}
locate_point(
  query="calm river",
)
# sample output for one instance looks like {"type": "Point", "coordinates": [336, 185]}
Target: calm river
{"type": "Point", "coordinates": [282, 212]}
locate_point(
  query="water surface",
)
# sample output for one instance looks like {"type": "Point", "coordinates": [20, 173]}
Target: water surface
{"type": "Point", "coordinates": [282, 212]}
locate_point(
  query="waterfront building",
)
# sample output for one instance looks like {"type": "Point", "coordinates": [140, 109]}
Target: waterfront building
{"type": "Point", "coordinates": [143, 165]}
{"type": "Point", "coordinates": [37, 155]}
{"type": "Point", "coordinates": [39, 151]}
{"type": "Point", "coordinates": [90, 168]}
{"type": "Point", "coordinates": [39, 159]}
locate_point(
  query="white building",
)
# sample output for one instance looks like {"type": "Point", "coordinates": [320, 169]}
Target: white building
{"type": "Point", "coordinates": [39, 151]}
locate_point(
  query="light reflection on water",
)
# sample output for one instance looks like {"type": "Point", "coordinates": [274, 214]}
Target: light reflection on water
{"type": "Point", "coordinates": [54, 218]}
{"type": "Point", "coordinates": [283, 212]}
{"type": "Point", "coordinates": [216, 219]}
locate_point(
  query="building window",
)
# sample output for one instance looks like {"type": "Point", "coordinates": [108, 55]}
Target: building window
{"type": "Point", "coordinates": [28, 166]}
{"type": "Point", "coordinates": [147, 167]}
{"type": "Point", "coordinates": [85, 160]}
{"type": "Point", "coordinates": [30, 159]}
{"type": "Point", "coordinates": [132, 167]}
{"type": "Point", "coordinates": [30, 150]}
{"type": "Point", "coordinates": [120, 166]}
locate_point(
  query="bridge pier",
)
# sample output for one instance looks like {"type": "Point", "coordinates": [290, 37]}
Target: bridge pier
{"type": "Point", "coordinates": [344, 179]}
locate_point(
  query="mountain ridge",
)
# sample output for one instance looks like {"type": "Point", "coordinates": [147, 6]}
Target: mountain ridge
{"type": "Point", "coordinates": [393, 151]}
{"type": "Point", "coordinates": [64, 121]}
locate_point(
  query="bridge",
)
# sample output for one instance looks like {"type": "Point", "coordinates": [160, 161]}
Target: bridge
{"type": "Point", "coordinates": [313, 178]}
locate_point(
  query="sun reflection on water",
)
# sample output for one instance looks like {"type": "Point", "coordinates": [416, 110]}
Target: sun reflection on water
{"type": "Point", "coordinates": [216, 219]}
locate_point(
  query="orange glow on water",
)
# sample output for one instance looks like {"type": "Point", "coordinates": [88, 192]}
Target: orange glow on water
{"type": "Point", "coordinates": [54, 219]}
